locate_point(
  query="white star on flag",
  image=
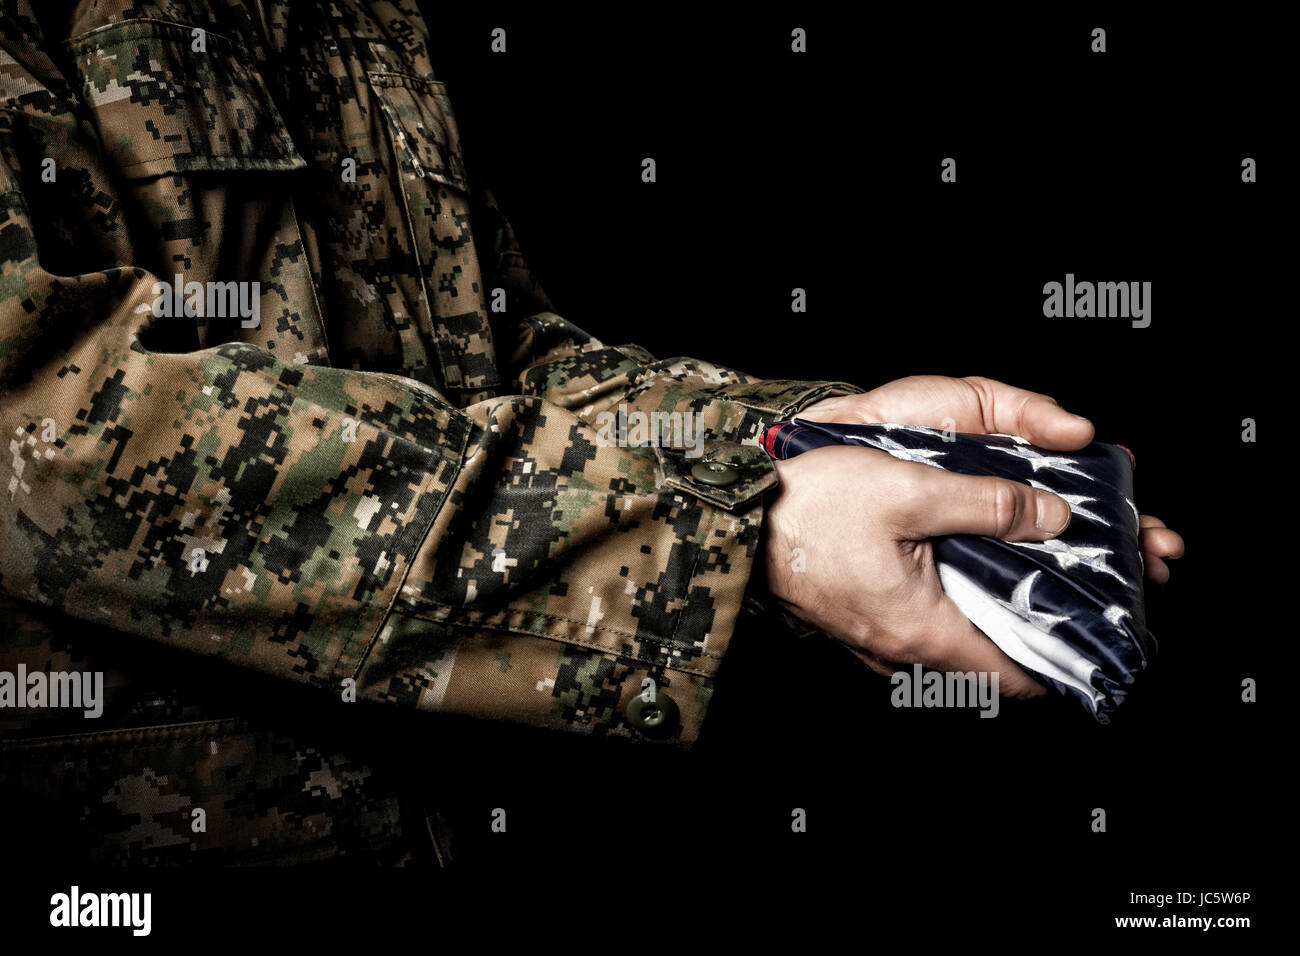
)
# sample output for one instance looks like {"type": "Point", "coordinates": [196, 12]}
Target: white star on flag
{"type": "Point", "coordinates": [1022, 604]}
{"type": "Point", "coordinates": [1069, 555]}
{"type": "Point", "coordinates": [1038, 460]}
{"type": "Point", "coordinates": [1075, 501]}
{"type": "Point", "coordinates": [1115, 613]}
{"type": "Point", "coordinates": [1134, 507]}
{"type": "Point", "coordinates": [885, 443]}
{"type": "Point", "coordinates": [890, 426]}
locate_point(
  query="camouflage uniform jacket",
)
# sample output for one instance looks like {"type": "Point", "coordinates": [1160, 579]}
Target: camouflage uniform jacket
{"type": "Point", "coordinates": [395, 476]}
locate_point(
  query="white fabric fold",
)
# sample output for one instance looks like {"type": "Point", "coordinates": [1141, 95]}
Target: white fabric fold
{"type": "Point", "coordinates": [1020, 640]}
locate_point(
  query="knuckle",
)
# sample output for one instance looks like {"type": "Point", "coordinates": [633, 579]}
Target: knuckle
{"type": "Point", "coordinates": [1006, 505]}
{"type": "Point", "coordinates": [983, 387]}
{"type": "Point", "coordinates": [909, 493]}
{"type": "Point", "coordinates": [863, 635]}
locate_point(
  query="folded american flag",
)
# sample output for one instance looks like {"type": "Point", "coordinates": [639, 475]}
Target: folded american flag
{"type": "Point", "coordinates": [1068, 610]}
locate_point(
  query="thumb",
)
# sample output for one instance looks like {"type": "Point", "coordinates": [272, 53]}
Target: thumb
{"type": "Point", "coordinates": [1040, 419]}
{"type": "Point", "coordinates": [941, 502]}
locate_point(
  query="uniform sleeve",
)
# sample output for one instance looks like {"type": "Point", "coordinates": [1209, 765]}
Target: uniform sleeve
{"type": "Point", "coordinates": [351, 529]}
{"type": "Point", "coordinates": [220, 500]}
{"type": "Point", "coordinates": [574, 561]}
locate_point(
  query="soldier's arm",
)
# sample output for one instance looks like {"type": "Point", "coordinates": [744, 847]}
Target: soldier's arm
{"type": "Point", "coordinates": [223, 501]}
{"type": "Point", "coordinates": [573, 567]}
{"type": "Point", "coordinates": [344, 528]}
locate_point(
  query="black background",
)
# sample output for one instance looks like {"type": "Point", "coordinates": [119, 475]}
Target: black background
{"type": "Point", "coordinates": [821, 171]}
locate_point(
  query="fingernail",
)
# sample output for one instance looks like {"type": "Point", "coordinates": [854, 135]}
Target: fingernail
{"type": "Point", "coordinates": [1053, 513]}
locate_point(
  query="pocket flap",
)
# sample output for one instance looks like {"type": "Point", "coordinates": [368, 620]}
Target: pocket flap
{"type": "Point", "coordinates": [423, 126]}
{"type": "Point", "coordinates": [163, 107]}
{"type": "Point", "coordinates": [746, 472]}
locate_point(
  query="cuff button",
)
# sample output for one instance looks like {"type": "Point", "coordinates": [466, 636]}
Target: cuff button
{"type": "Point", "coordinates": [654, 718]}
{"type": "Point", "coordinates": [714, 473]}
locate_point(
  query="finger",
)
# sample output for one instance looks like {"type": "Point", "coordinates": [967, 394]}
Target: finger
{"type": "Point", "coordinates": [1155, 568]}
{"type": "Point", "coordinates": [1162, 542]}
{"type": "Point", "coordinates": [1150, 521]}
{"type": "Point", "coordinates": [922, 625]}
{"type": "Point", "coordinates": [935, 502]}
{"type": "Point", "coordinates": [1015, 411]}
{"type": "Point", "coordinates": [955, 644]}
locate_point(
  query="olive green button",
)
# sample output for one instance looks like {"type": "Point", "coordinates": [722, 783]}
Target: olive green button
{"type": "Point", "coordinates": [714, 473]}
{"type": "Point", "coordinates": [654, 718]}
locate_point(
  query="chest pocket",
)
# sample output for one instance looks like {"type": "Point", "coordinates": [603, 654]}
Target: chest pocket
{"type": "Point", "coordinates": [204, 158]}
{"type": "Point", "coordinates": [435, 194]}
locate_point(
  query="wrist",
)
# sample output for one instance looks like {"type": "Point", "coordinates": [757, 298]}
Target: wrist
{"type": "Point", "coordinates": [772, 562]}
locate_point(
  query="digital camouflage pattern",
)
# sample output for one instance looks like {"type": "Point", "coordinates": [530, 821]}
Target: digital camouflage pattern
{"type": "Point", "coordinates": [124, 788]}
{"type": "Point", "coordinates": [384, 480]}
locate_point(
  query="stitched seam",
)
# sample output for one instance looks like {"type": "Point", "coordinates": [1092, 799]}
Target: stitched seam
{"type": "Point", "coordinates": [384, 76]}
{"type": "Point", "coordinates": [447, 358]}
{"type": "Point", "coordinates": [152, 22]}
{"type": "Point", "coordinates": [311, 282]}
{"type": "Point", "coordinates": [794, 406]}
{"type": "Point", "coordinates": [531, 612]}
{"type": "Point", "coordinates": [392, 602]}
{"type": "Point", "coordinates": [249, 162]}
{"type": "Point", "coordinates": [162, 730]}
{"type": "Point", "coordinates": [501, 629]}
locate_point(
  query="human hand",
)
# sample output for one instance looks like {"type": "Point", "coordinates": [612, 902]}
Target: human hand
{"type": "Point", "coordinates": [981, 406]}
{"type": "Point", "coordinates": [862, 521]}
